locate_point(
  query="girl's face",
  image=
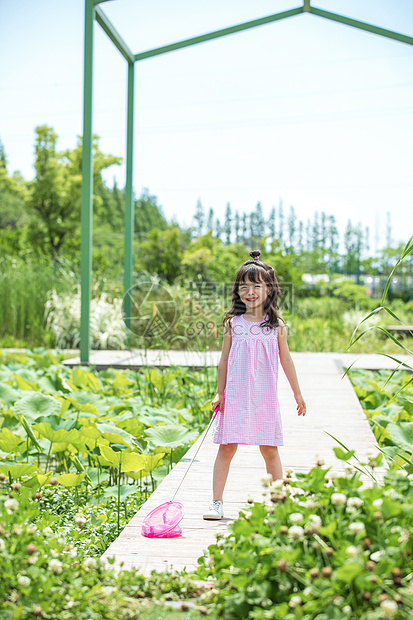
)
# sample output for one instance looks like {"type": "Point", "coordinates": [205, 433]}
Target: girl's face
{"type": "Point", "coordinates": [253, 294]}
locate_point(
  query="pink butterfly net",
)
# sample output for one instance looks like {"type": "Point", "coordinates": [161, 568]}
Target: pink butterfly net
{"type": "Point", "coordinates": [163, 521]}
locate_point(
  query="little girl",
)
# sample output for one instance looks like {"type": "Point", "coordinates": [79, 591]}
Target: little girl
{"type": "Point", "coordinates": [249, 413]}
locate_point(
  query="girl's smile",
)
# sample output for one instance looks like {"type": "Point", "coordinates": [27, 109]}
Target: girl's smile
{"type": "Point", "coordinates": [253, 294]}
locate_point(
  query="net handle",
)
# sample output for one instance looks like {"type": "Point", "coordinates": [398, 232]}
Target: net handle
{"type": "Point", "coordinates": [193, 458]}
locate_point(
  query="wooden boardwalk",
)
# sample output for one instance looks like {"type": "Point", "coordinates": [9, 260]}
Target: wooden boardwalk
{"type": "Point", "coordinates": [332, 406]}
{"type": "Point", "coordinates": [137, 358]}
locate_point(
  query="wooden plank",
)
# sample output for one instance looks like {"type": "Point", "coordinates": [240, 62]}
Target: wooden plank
{"type": "Point", "coordinates": [332, 407]}
{"type": "Point", "coordinates": [136, 358]}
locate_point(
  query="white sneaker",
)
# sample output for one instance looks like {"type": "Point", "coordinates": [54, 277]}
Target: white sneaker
{"type": "Point", "coordinates": [215, 510]}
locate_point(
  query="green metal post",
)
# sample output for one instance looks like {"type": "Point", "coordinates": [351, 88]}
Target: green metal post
{"type": "Point", "coordinates": [129, 210]}
{"type": "Point", "coordinates": [87, 187]}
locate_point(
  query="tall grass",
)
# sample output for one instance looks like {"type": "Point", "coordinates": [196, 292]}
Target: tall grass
{"type": "Point", "coordinates": [23, 292]}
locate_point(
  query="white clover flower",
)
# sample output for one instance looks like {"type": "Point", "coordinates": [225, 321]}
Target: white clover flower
{"type": "Point", "coordinates": [402, 472]}
{"type": "Point", "coordinates": [80, 520]}
{"type": "Point", "coordinates": [308, 591]}
{"type": "Point", "coordinates": [299, 491]}
{"type": "Point", "coordinates": [2, 545]}
{"type": "Point", "coordinates": [22, 580]}
{"type": "Point", "coordinates": [32, 559]}
{"type": "Point", "coordinates": [14, 596]}
{"type": "Point", "coordinates": [404, 537]}
{"type": "Point", "coordinates": [296, 532]}
{"type": "Point", "coordinates": [61, 541]}
{"type": "Point", "coordinates": [355, 501]}
{"type": "Point", "coordinates": [277, 484]}
{"type": "Point", "coordinates": [11, 505]}
{"type": "Point", "coordinates": [48, 531]}
{"type": "Point", "coordinates": [90, 564]}
{"type": "Point", "coordinates": [314, 519]}
{"type": "Point", "coordinates": [392, 494]}
{"type": "Point", "coordinates": [377, 555]}
{"type": "Point", "coordinates": [295, 601]}
{"type": "Point", "coordinates": [17, 529]}
{"type": "Point", "coordinates": [338, 601]}
{"type": "Point", "coordinates": [266, 521]}
{"type": "Point", "coordinates": [31, 528]}
{"type": "Point", "coordinates": [55, 566]}
{"type": "Point", "coordinates": [309, 503]}
{"type": "Point", "coordinates": [352, 551]}
{"type": "Point", "coordinates": [357, 527]}
{"type": "Point", "coordinates": [396, 529]}
{"type": "Point", "coordinates": [389, 608]}
{"type": "Point", "coordinates": [347, 609]}
{"type": "Point", "coordinates": [266, 480]}
{"type": "Point", "coordinates": [296, 517]}
{"type": "Point", "coordinates": [377, 502]}
{"type": "Point", "coordinates": [351, 510]}
{"type": "Point", "coordinates": [338, 499]}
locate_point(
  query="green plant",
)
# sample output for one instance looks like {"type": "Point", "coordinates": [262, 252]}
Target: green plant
{"type": "Point", "coordinates": [321, 547]}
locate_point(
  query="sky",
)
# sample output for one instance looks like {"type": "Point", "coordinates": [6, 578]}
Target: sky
{"type": "Point", "coordinates": [307, 111]}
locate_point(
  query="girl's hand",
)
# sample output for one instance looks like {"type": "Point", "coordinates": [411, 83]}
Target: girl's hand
{"type": "Point", "coordinates": [218, 400]}
{"type": "Point", "coordinates": [301, 406]}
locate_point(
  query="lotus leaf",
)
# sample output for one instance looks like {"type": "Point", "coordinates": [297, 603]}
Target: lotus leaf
{"type": "Point", "coordinates": [16, 470]}
{"type": "Point", "coordinates": [71, 480]}
{"type": "Point", "coordinates": [127, 461]}
{"type": "Point", "coordinates": [8, 394]}
{"type": "Point", "coordinates": [34, 405]}
{"type": "Point", "coordinates": [124, 491]}
{"type": "Point", "coordinates": [9, 442]}
{"type": "Point", "coordinates": [402, 435]}
{"type": "Point", "coordinates": [170, 436]}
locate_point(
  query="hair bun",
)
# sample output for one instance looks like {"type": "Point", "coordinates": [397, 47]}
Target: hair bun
{"type": "Point", "coordinates": [255, 254]}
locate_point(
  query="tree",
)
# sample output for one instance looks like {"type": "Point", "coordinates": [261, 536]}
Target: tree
{"type": "Point", "coordinates": [271, 224]}
{"type": "Point", "coordinates": [245, 228]}
{"type": "Point", "coordinates": [237, 226]}
{"type": "Point", "coordinates": [316, 231]}
{"type": "Point", "coordinates": [148, 214]}
{"type": "Point", "coordinates": [210, 221]}
{"type": "Point", "coordinates": [218, 229]}
{"type": "Point", "coordinates": [228, 223]}
{"type": "Point", "coordinates": [281, 223]}
{"type": "Point", "coordinates": [259, 221]}
{"type": "Point", "coordinates": [55, 191]}
{"type": "Point", "coordinates": [162, 252]}
{"type": "Point", "coordinates": [300, 243]}
{"type": "Point", "coordinates": [199, 218]}
{"type": "Point", "coordinates": [292, 227]}
{"type": "Point", "coordinates": [13, 212]}
{"type": "Point", "coordinates": [333, 242]}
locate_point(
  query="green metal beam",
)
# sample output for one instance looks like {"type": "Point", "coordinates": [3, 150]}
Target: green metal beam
{"type": "Point", "coordinates": [129, 210]}
{"type": "Point", "coordinates": [87, 187]}
{"type": "Point", "coordinates": [360, 25]}
{"type": "Point", "coordinates": [113, 35]}
{"type": "Point", "coordinates": [218, 33]}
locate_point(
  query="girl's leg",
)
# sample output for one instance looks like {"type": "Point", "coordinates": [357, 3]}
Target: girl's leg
{"type": "Point", "coordinates": [272, 461]}
{"type": "Point", "coordinates": [221, 468]}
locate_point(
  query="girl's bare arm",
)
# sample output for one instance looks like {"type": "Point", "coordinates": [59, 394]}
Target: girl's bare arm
{"type": "Point", "coordinates": [222, 368]}
{"type": "Point", "coordinates": [289, 368]}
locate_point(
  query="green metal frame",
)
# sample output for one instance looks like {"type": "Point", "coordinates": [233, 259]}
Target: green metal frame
{"type": "Point", "coordinates": [94, 12]}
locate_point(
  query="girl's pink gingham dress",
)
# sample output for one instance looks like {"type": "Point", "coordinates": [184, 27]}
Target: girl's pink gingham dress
{"type": "Point", "coordinates": [251, 411]}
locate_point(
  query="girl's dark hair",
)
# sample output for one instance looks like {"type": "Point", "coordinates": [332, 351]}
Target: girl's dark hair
{"type": "Point", "coordinates": [256, 271]}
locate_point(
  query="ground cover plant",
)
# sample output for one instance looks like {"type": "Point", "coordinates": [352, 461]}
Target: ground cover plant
{"type": "Point", "coordinates": [317, 548]}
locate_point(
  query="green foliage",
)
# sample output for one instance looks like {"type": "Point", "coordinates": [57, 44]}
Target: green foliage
{"type": "Point", "coordinates": [54, 194]}
{"type": "Point", "coordinates": [387, 401]}
{"type": "Point", "coordinates": [162, 252]}
{"type": "Point", "coordinates": [64, 423]}
{"type": "Point", "coordinates": [44, 575]}
{"type": "Point", "coordinates": [322, 547]}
